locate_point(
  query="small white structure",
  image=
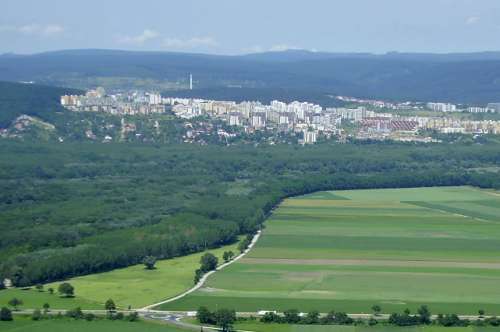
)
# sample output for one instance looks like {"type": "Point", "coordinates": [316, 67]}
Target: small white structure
{"type": "Point", "coordinates": [263, 312]}
{"type": "Point", "coordinates": [7, 283]}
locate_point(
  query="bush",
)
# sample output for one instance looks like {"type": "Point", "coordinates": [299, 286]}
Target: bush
{"type": "Point", "coordinates": [5, 314]}
{"type": "Point", "coordinates": [271, 317]}
{"type": "Point", "coordinates": [37, 315]}
{"type": "Point", "coordinates": [89, 317]}
{"type": "Point", "coordinates": [204, 316]}
{"type": "Point", "coordinates": [133, 317]}
{"type": "Point", "coordinates": [15, 302]}
{"type": "Point", "coordinates": [208, 262]}
{"type": "Point", "coordinates": [292, 316]}
{"type": "Point", "coordinates": [75, 313]}
{"type": "Point", "coordinates": [149, 262]}
{"type": "Point", "coordinates": [66, 289]}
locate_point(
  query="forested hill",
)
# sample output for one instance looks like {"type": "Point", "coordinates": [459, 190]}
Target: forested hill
{"type": "Point", "coordinates": [35, 100]}
{"type": "Point", "coordinates": [72, 209]}
{"type": "Point", "coordinates": [461, 78]}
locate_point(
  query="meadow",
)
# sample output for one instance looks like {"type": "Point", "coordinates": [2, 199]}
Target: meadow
{"type": "Point", "coordinates": [132, 286]}
{"type": "Point", "coordinates": [349, 250]}
{"type": "Point", "coordinates": [23, 324]}
{"type": "Point", "coordinates": [261, 327]}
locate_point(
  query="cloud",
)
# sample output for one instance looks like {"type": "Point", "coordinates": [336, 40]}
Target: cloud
{"type": "Point", "coordinates": [472, 20]}
{"type": "Point", "coordinates": [282, 47]}
{"type": "Point", "coordinates": [168, 42]}
{"type": "Point", "coordinates": [145, 36]}
{"type": "Point", "coordinates": [190, 43]}
{"type": "Point", "coordinates": [253, 49]}
{"type": "Point", "coordinates": [34, 29]}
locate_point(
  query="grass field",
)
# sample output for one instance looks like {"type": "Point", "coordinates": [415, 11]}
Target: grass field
{"type": "Point", "coordinates": [70, 325]}
{"type": "Point", "coordinates": [261, 327]}
{"type": "Point", "coordinates": [132, 286]}
{"type": "Point", "coordinates": [349, 250]}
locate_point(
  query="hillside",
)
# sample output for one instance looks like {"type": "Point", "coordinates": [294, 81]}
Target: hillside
{"type": "Point", "coordinates": [28, 99]}
{"type": "Point", "coordinates": [462, 78]}
{"type": "Point", "coordinates": [78, 208]}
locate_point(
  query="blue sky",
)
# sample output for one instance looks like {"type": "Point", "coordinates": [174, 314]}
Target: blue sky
{"type": "Point", "coordinates": [246, 26]}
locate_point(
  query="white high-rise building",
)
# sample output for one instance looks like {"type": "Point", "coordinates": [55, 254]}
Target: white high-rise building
{"type": "Point", "coordinates": [310, 137]}
{"type": "Point", "coordinates": [155, 99]}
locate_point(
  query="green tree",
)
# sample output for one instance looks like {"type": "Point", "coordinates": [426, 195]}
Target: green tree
{"type": "Point", "coordinates": [243, 245]}
{"type": "Point", "coordinates": [225, 318]}
{"type": "Point", "coordinates": [37, 315]}
{"type": "Point", "coordinates": [376, 309]}
{"type": "Point", "coordinates": [149, 262]}
{"type": "Point", "coordinates": [227, 256]}
{"type": "Point", "coordinates": [66, 289]}
{"type": "Point", "coordinates": [39, 287]}
{"type": "Point", "coordinates": [110, 305]}
{"type": "Point", "coordinates": [5, 314]}
{"type": "Point", "coordinates": [424, 314]}
{"type": "Point", "coordinates": [133, 317]}
{"type": "Point", "coordinates": [292, 316]}
{"type": "Point", "coordinates": [198, 274]}
{"type": "Point", "coordinates": [208, 262]}
{"type": "Point", "coordinates": [15, 302]}
{"type": "Point", "coordinates": [76, 313]}
{"type": "Point", "coordinates": [205, 316]}
{"type": "Point", "coordinates": [481, 312]}
{"type": "Point", "coordinates": [46, 307]}
{"type": "Point", "coordinates": [51, 290]}
{"type": "Point", "coordinates": [312, 317]}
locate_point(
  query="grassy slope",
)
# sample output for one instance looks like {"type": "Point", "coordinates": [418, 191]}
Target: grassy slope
{"type": "Point", "coordinates": [373, 225]}
{"type": "Point", "coordinates": [67, 325]}
{"type": "Point", "coordinates": [133, 286]}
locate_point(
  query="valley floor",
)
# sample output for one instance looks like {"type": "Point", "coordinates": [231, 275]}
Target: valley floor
{"type": "Point", "coordinates": [349, 250]}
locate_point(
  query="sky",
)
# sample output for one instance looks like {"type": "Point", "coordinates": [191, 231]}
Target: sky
{"type": "Point", "coordinates": [248, 26]}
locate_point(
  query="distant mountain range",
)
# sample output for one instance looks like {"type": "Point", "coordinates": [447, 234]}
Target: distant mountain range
{"type": "Point", "coordinates": [470, 78]}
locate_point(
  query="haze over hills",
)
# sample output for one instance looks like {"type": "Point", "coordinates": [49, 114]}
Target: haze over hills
{"type": "Point", "coordinates": [470, 78]}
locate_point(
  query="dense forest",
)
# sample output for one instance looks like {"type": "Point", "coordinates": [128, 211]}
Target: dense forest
{"type": "Point", "coordinates": [77, 208]}
{"type": "Point", "coordinates": [34, 100]}
{"type": "Point", "coordinates": [460, 78]}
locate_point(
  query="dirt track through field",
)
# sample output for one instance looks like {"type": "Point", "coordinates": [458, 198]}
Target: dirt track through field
{"type": "Point", "coordinates": [365, 262]}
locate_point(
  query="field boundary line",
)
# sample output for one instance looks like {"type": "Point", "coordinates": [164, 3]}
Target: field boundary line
{"type": "Point", "coordinates": [205, 276]}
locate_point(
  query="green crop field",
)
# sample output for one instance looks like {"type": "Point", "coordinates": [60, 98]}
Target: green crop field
{"type": "Point", "coordinates": [23, 324]}
{"type": "Point", "coordinates": [261, 327]}
{"type": "Point", "coordinates": [132, 286]}
{"type": "Point", "coordinates": [349, 250]}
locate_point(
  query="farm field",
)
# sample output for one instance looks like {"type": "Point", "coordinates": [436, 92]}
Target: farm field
{"type": "Point", "coordinates": [132, 286]}
{"type": "Point", "coordinates": [24, 324]}
{"type": "Point", "coordinates": [349, 250]}
{"type": "Point", "coordinates": [261, 327]}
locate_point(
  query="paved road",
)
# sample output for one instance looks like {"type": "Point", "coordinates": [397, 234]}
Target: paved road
{"type": "Point", "coordinates": [205, 276]}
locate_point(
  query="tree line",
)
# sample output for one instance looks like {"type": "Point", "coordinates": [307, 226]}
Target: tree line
{"type": "Point", "coordinates": [75, 209]}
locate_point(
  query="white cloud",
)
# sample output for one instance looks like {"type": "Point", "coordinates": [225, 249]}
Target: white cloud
{"type": "Point", "coordinates": [472, 20]}
{"type": "Point", "coordinates": [282, 47]}
{"type": "Point", "coordinates": [34, 29]}
{"type": "Point", "coordinates": [190, 43]}
{"type": "Point", "coordinates": [253, 49]}
{"type": "Point", "coordinates": [145, 36]}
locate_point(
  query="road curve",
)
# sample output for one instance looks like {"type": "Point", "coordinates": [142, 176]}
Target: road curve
{"type": "Point", "coordinates": [204, 278]}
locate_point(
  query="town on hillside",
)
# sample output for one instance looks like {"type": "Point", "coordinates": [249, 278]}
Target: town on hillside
{"type": "Point", "coordinates": [363, 119]}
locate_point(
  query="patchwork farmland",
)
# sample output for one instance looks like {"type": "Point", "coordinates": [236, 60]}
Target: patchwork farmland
{"type": "Point", "coordinates": [350, 250]}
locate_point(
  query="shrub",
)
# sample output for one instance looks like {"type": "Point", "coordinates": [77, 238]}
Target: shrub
{"type": "Point", "coordinates": [5, 314]}
{"type": "Point", "coordinates": [37, 315]}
